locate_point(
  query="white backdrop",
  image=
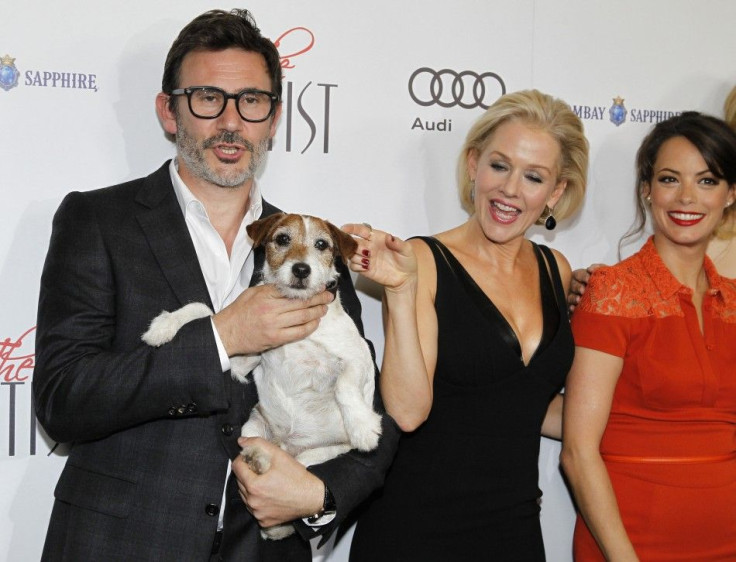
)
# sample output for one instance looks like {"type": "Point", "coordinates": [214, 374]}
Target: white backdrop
{"type": "Point", "coordinates": [353, 144]}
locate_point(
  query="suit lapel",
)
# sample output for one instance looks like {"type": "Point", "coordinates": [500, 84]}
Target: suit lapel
{"type": "Point", "coordinates": [166, 231]}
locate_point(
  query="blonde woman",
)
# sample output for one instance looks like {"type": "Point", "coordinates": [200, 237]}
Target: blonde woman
{"type": "Point", "coordinates": [478, 344]}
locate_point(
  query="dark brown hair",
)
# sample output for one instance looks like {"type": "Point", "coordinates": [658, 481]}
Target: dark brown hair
{"type": "Point", "coordinates": [218, 30]}
{"type": "Point", "coordinates": [713, 138]}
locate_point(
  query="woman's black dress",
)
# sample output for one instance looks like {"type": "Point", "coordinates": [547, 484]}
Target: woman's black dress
{"type": "Point", "coordinates": [464, 486]}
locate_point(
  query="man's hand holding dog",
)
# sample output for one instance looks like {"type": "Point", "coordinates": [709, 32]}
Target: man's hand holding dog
{"type": "Point", "coordinates": [285, 492]}
{"type": "Point", "coordinates": [261, 318]}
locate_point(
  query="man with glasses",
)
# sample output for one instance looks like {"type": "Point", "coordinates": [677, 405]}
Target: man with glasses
{"type": "Point", "coordinates": [153, 430]}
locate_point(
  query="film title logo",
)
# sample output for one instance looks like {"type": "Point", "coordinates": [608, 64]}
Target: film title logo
{"type": "Point", "coordinates": [306, 107]}
{"type": "Point", "coordinates": [17, 360]}
{"type": "Point", "coordinates": [294, 42]}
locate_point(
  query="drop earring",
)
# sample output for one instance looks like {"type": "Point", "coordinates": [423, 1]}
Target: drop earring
{"type": "Point", "coordinates": [551, 222]}
{"type": "Point", "coordinates": [472, 191]}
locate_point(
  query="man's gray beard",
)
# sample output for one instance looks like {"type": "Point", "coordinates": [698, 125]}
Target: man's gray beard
{"type": "Point", "coordinates": [193, 156]}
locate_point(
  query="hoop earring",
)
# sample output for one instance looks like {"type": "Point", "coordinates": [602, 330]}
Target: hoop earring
{"type": "Point", "coordinates": [551, 222]}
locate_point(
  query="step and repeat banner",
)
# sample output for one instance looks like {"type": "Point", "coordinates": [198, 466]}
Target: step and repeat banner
{"type": "Point", "coordinates": [377, 99]}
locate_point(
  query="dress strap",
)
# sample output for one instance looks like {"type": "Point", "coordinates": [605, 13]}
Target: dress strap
{"type": "Point", "coordinates": [439, 251]}
{"type": "Point", "coordinates": [554, 274]}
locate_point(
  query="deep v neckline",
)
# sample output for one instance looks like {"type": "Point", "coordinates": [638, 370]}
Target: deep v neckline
{"type": "Point", "coordinates": [550, 309]}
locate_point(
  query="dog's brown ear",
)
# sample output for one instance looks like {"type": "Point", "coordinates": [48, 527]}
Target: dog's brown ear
{"type": "Point", "coordinates": [346, 244]}
{"type": "Point", "coordinates": [258, 230]}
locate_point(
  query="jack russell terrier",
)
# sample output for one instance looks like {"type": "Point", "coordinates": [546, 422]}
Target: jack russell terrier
{"type": "Point", "coordinates": [316, 394]}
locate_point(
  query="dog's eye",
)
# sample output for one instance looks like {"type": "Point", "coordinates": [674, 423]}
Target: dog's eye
{"type": "Point", "coordinates": [282, 239]}
{"type": "Point", "coordinates": [321, 245]}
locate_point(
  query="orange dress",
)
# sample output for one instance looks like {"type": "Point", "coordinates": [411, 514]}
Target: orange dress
{"type": "Point", "coordinates": [670, 442]}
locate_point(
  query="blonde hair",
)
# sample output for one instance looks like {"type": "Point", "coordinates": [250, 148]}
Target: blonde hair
{"type": "Point", "coordinates": [538, 110]}
{"type": "Point", "coordinates": [727, 230]}
{"type": "Point", "coordinates": [729, 109]}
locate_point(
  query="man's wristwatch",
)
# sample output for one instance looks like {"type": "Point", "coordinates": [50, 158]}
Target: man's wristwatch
{"type": "Point", "coordinates": [329, 507]}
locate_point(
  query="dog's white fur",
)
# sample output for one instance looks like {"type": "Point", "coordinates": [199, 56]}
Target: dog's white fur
{"type": "Point", "coordinates": [316, 394]}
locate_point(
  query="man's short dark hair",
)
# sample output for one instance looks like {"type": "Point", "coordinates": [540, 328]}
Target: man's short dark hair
{"type": "Point", "coordinates": [218, 30]}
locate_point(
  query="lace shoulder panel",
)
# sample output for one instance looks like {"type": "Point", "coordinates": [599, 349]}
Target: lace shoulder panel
{"type": "Point", "coordinates": [725, 308]}
{"type": "Point", "coordinates": [620, 290]}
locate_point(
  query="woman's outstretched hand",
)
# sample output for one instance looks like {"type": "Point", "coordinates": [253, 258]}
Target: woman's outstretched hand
{"type": "Point", "coordinates": [383, 258]}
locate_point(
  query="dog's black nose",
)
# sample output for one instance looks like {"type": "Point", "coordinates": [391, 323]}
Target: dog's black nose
{"type": "Point", "coordinates": [301, 270]}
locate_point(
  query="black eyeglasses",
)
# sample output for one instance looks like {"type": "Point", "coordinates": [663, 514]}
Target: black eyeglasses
{"type": "Point", "coordinates": [208, 102]}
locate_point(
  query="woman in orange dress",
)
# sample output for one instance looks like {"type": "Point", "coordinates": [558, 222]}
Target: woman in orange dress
{"type": "Point", "coordinates": [649, 425]}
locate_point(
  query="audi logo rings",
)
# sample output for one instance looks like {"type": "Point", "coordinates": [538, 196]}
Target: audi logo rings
{"type": "Point", "coordinates": [456, 87]}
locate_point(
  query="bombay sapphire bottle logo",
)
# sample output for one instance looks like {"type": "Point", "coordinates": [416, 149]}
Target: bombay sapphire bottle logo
{"type": "Point", "coordinates": [617, 111]}
{"type": "Point", "coordinates": [8, 73]}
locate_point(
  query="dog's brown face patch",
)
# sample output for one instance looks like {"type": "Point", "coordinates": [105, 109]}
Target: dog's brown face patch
{"type": "Point", "coordinates": [299, 238]}
{"type": "Point", "coordinates": [300, 253]}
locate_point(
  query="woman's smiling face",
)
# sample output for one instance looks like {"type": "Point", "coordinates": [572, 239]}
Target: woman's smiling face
{"type": "Point", "coordinates": [687, 199]}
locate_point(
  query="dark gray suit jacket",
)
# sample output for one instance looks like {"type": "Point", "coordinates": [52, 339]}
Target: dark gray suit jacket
{"type": "Point", "coordinates": [152, 429]}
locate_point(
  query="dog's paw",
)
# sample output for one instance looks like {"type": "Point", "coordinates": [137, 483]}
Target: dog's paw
{"type": "Point", "coordinates": [365, 433]}
{"type": "Point", "coordinates": [164, 327]}
{"type": "Point", "coordinates": [256, 458]}
{"type": "Point", "coordinates": [278, 532]}
{"type": "Point", "coordinates": [162, 330]}
{"type": "Point", "coordinates": [242, 365]}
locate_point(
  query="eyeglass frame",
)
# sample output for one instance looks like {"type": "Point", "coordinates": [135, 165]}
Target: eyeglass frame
{"type": "Point", "coordinates": [191, 89]}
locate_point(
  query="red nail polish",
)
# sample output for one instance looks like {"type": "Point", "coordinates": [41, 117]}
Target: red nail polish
{"type": "Point", "coordinates": [365, 262]}
{"type": "Point", "coordinates": [366, 253]}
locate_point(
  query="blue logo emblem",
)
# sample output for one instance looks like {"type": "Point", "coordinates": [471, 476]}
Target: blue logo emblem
{"type": "Point", "coordinates": [617, 112]}
{"type": "Point", "coordinates": [8, 73]}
